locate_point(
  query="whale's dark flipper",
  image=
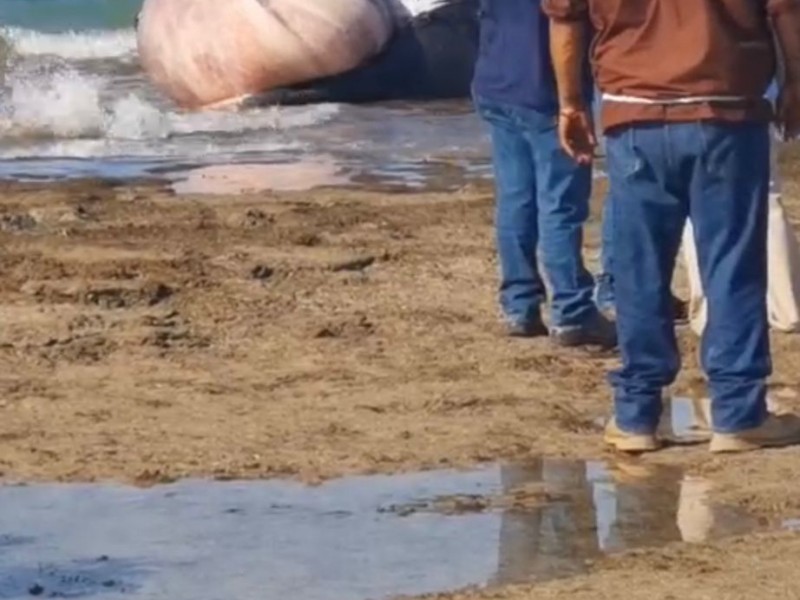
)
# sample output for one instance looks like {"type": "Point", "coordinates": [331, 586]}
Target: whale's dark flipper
{"type": "Point", "coordinates": [431, 58]}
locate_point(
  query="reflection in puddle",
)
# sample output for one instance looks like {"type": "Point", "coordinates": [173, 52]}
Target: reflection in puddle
{"type": "Point", "coordinates": [791, 525]}
{"type": "Point", "coordinates": [611, 509]}
{"type": "Point", "coordinates": [250, 178]}
{"type": "Point", "coordinates": [347, 539]}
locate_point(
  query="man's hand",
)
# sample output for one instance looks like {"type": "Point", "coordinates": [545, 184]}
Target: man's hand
{"type": "Point", "coordinates": [789, 110]}
{"type": "Point", "coordinates": [568, 50]}
{"type": "Point", "coordinates": [576, 133]}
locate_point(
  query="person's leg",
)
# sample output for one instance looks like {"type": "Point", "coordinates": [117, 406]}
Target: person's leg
{"type": "Point", "coordinates": [697, 299]}
{"type": "Point", "coordinates": [604, 283]}
{"type": "Point", "coordinates": [783, 272]}
{"type": "Point", "coordinates": [605, 293]}
{"type": "Point", "coordinates": [650, 208]}
{"type": "Point", "coordinates": [521, 288]}
{"type": "Point", "coordinates": [729, 214]}
{"type": "Point", "coordinates": [730, 187]}
{"type": "Point", "coordinates": [563, 191]}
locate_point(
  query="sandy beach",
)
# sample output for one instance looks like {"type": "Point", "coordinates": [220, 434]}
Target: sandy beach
{"type": "Point", "coordinates": [148, 336]}
{"type": "Point", "coordinates": [257, 355]}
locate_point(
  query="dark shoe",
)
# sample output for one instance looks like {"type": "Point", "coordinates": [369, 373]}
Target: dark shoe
{"type": "Point", "coordinates": [699, 426]}
{"type": "Point", "coordinates": [598, 331]}
{"type": "Point", "coordinates": [527, 329]}
{"type": "Point", "coordinates": [776, 431]}
{"type": "Point", "coordinates": [680, 310]}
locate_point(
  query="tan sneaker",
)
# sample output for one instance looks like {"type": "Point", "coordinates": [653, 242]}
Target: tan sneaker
{"type": "Point", "coordinates": [698, 428]}
{"type": "Point", "coordinates": [775, 431]}
{"type": "Point", "coordinates": [629, 442]}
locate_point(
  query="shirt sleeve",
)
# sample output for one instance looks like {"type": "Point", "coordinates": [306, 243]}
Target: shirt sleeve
{"type": "Point", "coordinates": [576, 10]}
{"type": "Point", "coordinates": [784, 16]}
{"type": "Point", "coordinates": [780, 7]}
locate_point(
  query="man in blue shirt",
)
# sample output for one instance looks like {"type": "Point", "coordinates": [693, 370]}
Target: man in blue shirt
{"type": "Point", "coordinates": [542, 194]}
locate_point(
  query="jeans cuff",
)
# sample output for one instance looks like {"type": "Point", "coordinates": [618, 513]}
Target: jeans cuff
{"type": "Point", "coordinates": [587, 319]}
{"type": "Point", "coordinates": [739, 427]}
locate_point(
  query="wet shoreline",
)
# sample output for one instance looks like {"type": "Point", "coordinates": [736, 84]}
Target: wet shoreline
{"type": "Point", "coordinates": [151, 337]}
{"type": "Point", "coordinates": [350, 538]}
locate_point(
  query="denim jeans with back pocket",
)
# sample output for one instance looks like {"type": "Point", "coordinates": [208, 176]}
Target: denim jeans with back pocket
{"type": "Point", "coordinates": [605, 294]}
{"type": "Point", "coordinates": [717, 174]}
{"type": "Point", "coordinates": [542, 203]}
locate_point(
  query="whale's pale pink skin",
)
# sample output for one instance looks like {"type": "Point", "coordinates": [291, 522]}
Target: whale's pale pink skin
{"type": "Point", "coordinates": [205, 53]}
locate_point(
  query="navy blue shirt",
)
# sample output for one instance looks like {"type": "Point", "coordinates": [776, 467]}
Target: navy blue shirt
{"type": "Point", "coordinates": [514, 65]}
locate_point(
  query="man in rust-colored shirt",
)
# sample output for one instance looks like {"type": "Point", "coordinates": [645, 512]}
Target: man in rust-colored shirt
{"type": "Point", "coordinates": [686, 127]}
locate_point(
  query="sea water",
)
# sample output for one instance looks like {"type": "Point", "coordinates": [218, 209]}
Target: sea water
{"type": "Point", "coordinates": [74, 103]}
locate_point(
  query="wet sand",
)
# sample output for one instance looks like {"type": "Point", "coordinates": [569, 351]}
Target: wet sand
{"type": "Point", "coordinates": [147, 337]}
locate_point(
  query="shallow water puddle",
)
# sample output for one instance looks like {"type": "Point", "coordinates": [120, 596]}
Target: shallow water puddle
{"type": "Point", "coordinates": [251, 178]}
{"type": "Point", "coordinates": [354, 538]}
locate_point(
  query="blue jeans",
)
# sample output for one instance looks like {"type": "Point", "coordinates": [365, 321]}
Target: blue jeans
{"type": "Point", "coordinates": [717, 174]}
{"type": "Point", "coordinates": [542, 202]}
{"type": "Point", "coordinates": [604, 292]}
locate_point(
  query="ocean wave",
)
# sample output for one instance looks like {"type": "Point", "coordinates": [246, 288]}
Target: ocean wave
{"type": "Point", "coordinates": [173, 151]}
{"type": "Point", "coordinates": [72, 45]}
{"type": "Point", "coordinates": [67, 105]}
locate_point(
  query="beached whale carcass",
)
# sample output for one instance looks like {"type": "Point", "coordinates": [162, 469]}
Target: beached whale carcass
{"type": "Point", "coordinates": [412, 50]}
{"type": "Point", "coordinates": [206, 53]}
{"type": "Point", "coordinates": [431, 56]}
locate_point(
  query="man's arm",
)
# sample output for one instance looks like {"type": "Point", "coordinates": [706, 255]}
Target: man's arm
{"type": "Point", "coordinates": [568, 51]}
{"type": "Point", "coordinates": [785, 20]}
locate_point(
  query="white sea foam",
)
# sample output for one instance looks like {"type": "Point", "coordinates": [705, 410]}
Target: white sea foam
{"type": "Point", "coordinates": [72, 45]}
{"type": "Point", "coordinates": [61, 105]}
{"type": "Point", "coordinates": [66, 113]}
{"type": "Point", "coordinates": [413, 8]}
